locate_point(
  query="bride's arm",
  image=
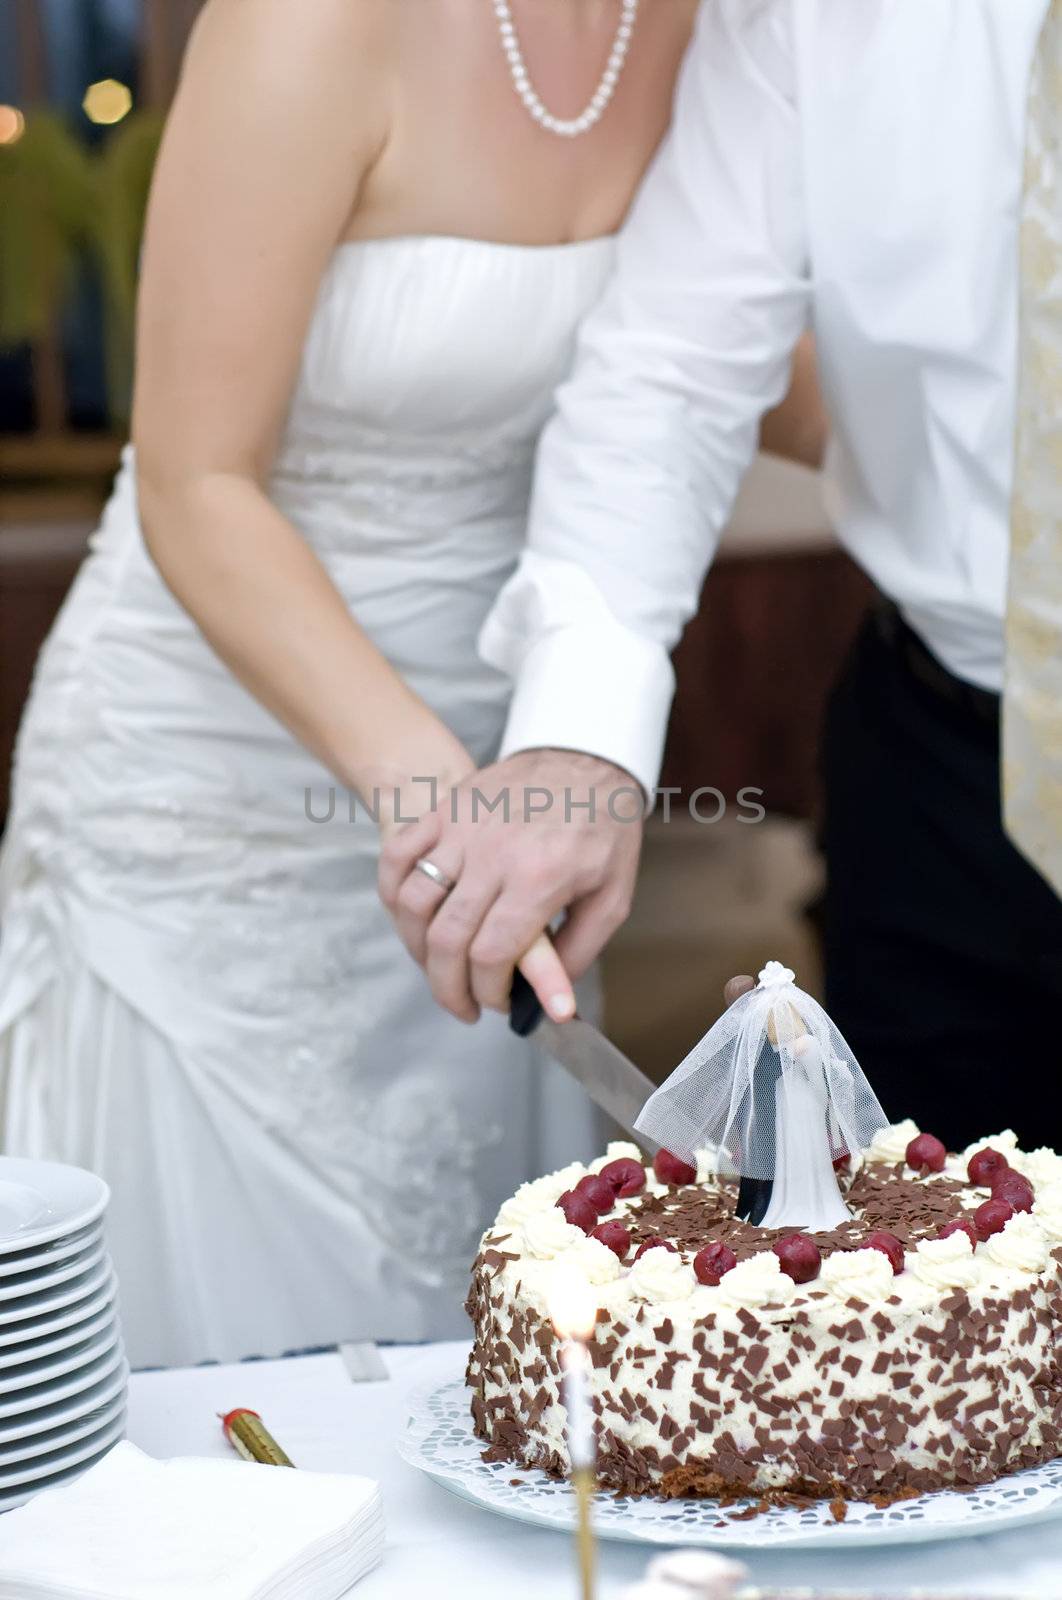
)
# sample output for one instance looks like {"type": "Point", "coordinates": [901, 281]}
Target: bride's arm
{"type": "Point", "coordinates": [280, 114]}
{"type": "Point", "coordinates": [799, 429]}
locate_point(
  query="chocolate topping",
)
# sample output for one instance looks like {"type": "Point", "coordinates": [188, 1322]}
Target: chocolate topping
{"type": "Point", "coordinates": [881, 1197]}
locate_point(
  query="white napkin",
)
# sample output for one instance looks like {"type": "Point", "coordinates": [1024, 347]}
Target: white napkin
{"type": "Point", "coordinates": [133, 1527]}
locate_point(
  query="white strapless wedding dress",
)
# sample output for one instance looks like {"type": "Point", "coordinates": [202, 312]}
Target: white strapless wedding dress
{"type": "Point", "coordinates": [200, 995]}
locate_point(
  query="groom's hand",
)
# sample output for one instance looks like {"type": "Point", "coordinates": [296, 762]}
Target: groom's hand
{"type": "Point", "coordinates": [541, 833]}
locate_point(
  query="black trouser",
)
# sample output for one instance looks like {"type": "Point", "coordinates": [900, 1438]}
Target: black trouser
{"type": "Point", "coordinates": [943, 947]}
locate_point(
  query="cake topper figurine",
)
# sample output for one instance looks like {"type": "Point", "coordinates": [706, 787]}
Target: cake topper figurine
{"type": "Point", "coordinates": [775, 1090]}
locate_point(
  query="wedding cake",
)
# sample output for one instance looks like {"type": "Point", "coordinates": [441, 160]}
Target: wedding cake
{"type": "Point", "coordinates": [914, 1346]}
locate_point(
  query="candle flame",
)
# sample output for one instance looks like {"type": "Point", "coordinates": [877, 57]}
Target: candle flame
{"type": "Point", "coordinates": [572, 1303]}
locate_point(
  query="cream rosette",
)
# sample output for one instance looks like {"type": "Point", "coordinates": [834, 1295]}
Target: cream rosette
{"type": "Point", "coordinates": [1047, 1209]}
{"type": "Point", "coordinates": [706, 1160]}
{"type": "Point", "coordinates": [541, 1195]}
{"type": "Point", "coordinates": [661, 1275]}
{"type": "Point", "coordinates": [1006, 1143]}
{"type": "Point", "coordinates": [1042, 1167]}
{"type": "Point", "coordinates": [858, 1275]}
{"type": "Point", "coordinates": [594, 1260]}
{"type": "Point", "coordinates": [946, 1263]}
{"type": "Point", "coordinates": [548, 1234]}
{"type": "Point", "coordinates": [889, 1145]}
{"type": "Point", "coordinates": [756, 1282]}
{"type": "Point", "coordinates": [1021, 1245]}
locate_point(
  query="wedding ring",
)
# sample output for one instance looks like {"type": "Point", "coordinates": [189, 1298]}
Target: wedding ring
{"type": "Point", "coordinates": [437, 876]}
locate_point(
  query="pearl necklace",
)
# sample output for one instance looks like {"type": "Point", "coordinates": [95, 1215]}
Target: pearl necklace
{"type": "Point", "coordinates": [567, 128]}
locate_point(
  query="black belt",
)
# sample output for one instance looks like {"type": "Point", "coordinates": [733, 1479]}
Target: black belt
{"type": "Point", "coordinates": [923, 665]}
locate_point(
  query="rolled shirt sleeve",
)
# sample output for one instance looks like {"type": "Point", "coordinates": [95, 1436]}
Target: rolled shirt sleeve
{"type": "Point", "coordinates": [639, 468]}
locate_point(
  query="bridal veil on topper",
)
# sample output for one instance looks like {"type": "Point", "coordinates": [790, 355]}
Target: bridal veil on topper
{"type": "Point", "coordinates": [776, 1091]}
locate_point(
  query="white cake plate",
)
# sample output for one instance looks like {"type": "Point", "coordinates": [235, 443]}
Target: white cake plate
{"type": "Point", "coordinates": [440, 1441]}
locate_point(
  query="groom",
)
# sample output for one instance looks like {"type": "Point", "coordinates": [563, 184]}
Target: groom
{"type": "Point", "coordinates": [888, 172]}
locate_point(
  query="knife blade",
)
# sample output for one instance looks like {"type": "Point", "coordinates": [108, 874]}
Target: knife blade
{"type": "Point", "coordinates": [613, 1083]}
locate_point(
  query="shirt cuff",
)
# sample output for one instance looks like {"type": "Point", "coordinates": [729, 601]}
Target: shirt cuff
{"type": "Point", "coordinates": [595, 687]}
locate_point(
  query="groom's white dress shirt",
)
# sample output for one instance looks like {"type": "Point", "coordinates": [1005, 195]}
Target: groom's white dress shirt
{"type": "Point", "coordinates": [852, 165]}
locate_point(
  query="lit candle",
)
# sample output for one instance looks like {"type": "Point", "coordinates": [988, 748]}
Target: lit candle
{"type": "Point", "coordinates": [575, 1362]}
{"type": "Point", "coordinates": [573, 1310]}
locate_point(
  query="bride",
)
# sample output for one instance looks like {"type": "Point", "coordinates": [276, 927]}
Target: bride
{"type": "Point", "coordinates": [369, 247]}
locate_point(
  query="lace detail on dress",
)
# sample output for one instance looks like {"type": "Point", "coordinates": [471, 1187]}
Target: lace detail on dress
{"type": "Point", "coordinates": [406, 1154]}
{"type": "Point", "coordinates": [325, 484]}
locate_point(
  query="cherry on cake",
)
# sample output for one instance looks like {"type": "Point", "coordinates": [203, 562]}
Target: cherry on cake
{"type": "Point", "coordinates": [914, 1347]}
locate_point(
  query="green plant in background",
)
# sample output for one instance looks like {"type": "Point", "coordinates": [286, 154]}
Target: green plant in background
{"type": "Point", "coordinates": [59, 204]}
{"type": "Point", "coordinates": [45, 221]}
{"type": "Point", "coordinates": [122, 182]}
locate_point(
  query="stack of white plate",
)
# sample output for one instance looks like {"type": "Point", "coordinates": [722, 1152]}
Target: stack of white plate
{"type": "Point", "coordinates": [63, 1373]}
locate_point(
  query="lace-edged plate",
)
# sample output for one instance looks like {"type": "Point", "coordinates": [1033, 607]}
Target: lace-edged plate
{"type": "Point", "coordinates": [440, 1442]}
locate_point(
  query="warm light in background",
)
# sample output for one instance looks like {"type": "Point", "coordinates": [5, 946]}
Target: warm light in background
{"type": "Point", "coordinates": [108, 101]}
{"type": "Point", "coordinates": [572, 1303]}
{"type": "Point", "coordinates": [12, 124]}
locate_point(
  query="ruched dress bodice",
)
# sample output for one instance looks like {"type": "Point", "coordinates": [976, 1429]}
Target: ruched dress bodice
{"type": "Point", "coordinates": [428, 374]}
{"type": "Point", "coordinates": [175, 856]}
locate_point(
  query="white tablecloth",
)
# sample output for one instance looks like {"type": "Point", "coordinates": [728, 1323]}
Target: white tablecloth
{"type": "Point", "coordinates": [440, 1548]}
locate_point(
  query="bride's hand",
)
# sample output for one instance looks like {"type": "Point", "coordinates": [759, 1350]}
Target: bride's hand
{"type": "Point", "coordinates": [412, 785]}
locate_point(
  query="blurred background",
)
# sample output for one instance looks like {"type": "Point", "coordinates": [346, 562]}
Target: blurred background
{"type": "Point", "coordinates": [84, 86]}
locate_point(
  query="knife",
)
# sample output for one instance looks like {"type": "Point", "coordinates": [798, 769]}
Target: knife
{"type": "Point", "coordinates": [613, 1083]}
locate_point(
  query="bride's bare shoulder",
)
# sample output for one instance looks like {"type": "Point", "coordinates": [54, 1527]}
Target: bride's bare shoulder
{"type": "Point", "coordinates": [308, 47]}
{"type": "Point", "coordinates": [330, 20]}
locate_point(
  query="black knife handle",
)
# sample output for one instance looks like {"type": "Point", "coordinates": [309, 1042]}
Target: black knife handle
{"type": "Point", "coordinates": [525, 1012]}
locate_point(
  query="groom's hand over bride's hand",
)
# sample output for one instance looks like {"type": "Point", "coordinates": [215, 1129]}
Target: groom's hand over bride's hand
{"type": "Point", "coordinates": [521, 844]}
